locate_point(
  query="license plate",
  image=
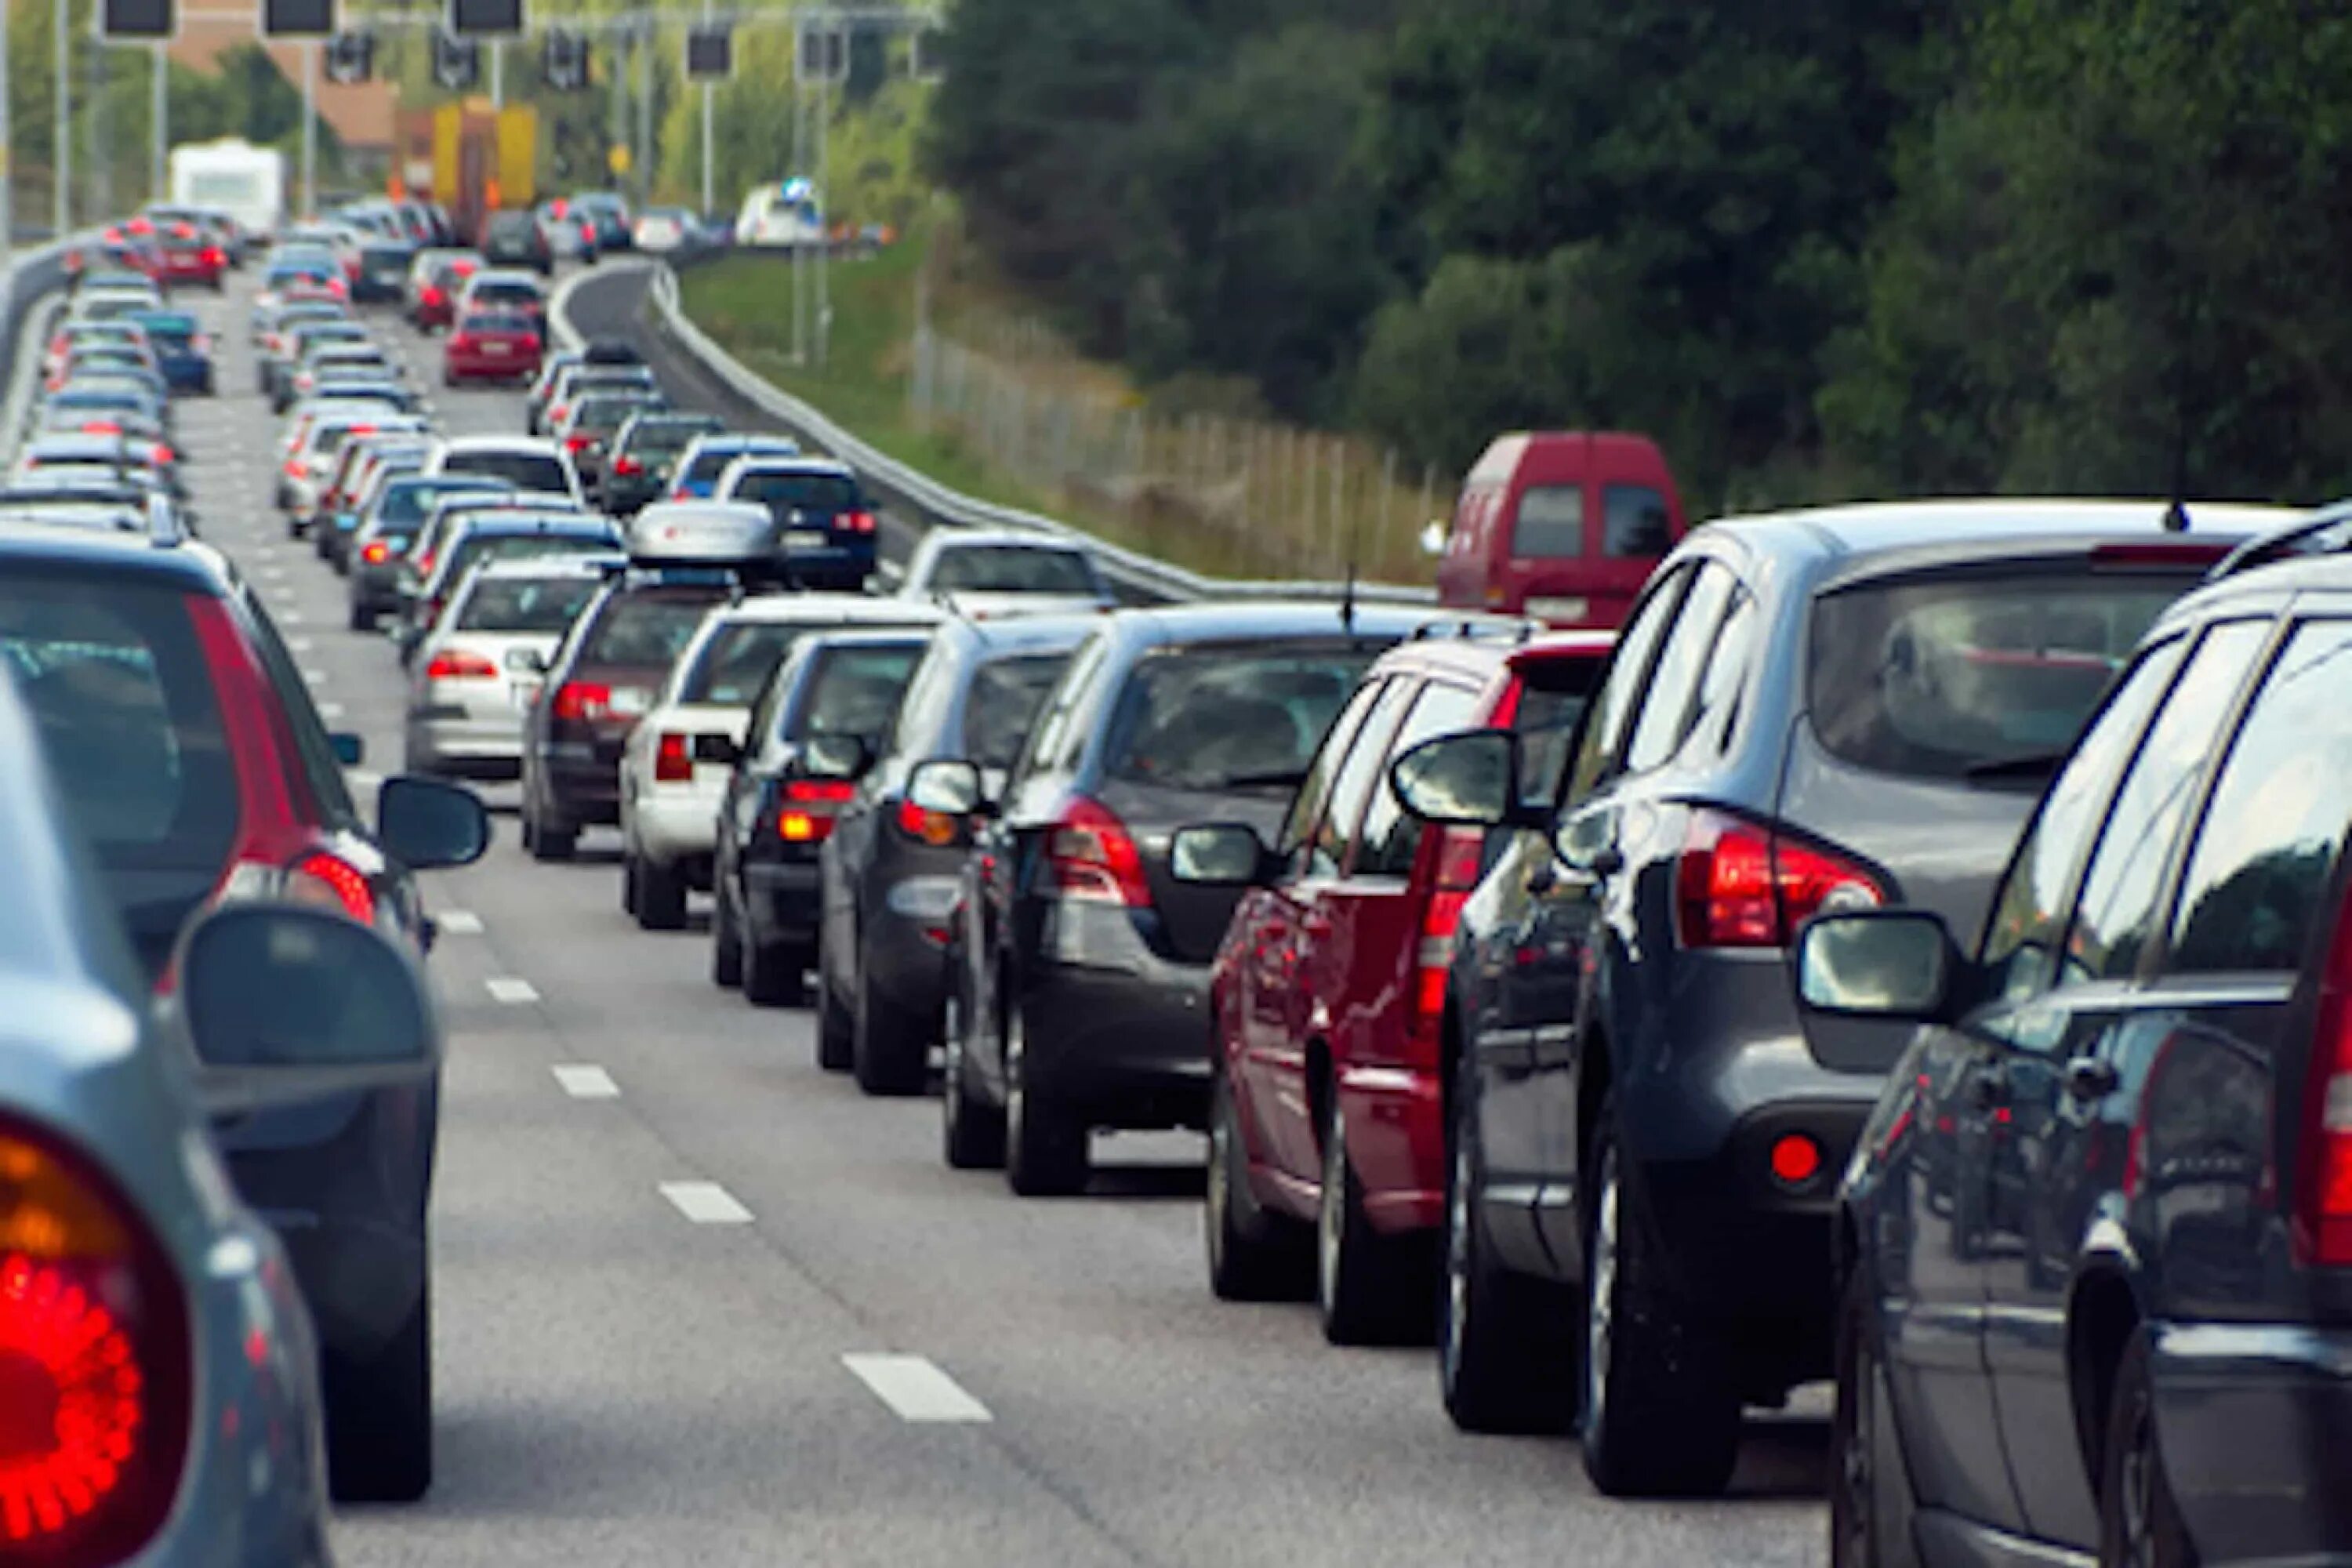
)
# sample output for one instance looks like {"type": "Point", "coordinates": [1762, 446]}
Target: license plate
{"type": "Point", "coordinates": [497, 348]}
{"type": "Point", "coordinates": [1559, 609]}
{"type": "Point", "coordinates": [801, 540]}
{"type": "Point", "coordinates": [630, 703]}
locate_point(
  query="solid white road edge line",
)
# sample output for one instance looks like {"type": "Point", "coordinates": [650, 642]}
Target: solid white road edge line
{"type": "Point", "coordinates": [513, 991]}
{"type": "Point", "coordinates": [706, 1202]}
{"type": "Point", "coordinates": [915, 1388]}
{"type": "Point", "coordinates": [585, 1081]}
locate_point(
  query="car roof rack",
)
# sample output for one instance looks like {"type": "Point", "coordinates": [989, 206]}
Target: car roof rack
{"type": "Point", "coordinates": [1478, 629]}
{"type": "Point", "coordinates": [2327, 531]}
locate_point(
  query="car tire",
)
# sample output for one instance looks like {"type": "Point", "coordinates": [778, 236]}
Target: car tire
{"type": "Point", "coordinates": [1506, 1340]}
{"type": "Point", "coordinates": [380, 1415]}
{"type": "Point", "coordinates": [1046, 1153]}
{"type": "Point", "coordinates": [1659, 1416]}
{"type": "Point", "coordinates": [553, 843]}
{"type": "Point", "coordinates": [971, 1130]}
{"type": "Point", "coordinates": [661, 897]}
{"type": "Point", "coordinates": [836, 1036]}
{"type": "Point", "coordinates": [889, 1048]}
{"type": "Point", "coordinates": [2139, 1517]}
{"type": "Point", "coordinates": [726, 945]}
{"type": "Point", "coordinates": [771, 975]}
{"type": "Point", "coordinates": [1871, 1502]}
{"type": "Point", "coordinates": [1253, 1255]}
{"type": "Point", "coordinates": [1370, 1289]}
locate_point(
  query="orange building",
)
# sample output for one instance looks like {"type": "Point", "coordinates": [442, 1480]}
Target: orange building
{"type": "Point", "coordinates": [361, 114]}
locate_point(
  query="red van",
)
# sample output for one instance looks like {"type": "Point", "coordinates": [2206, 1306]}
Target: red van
{"type": "Point", "coordinates": [1561, 525]}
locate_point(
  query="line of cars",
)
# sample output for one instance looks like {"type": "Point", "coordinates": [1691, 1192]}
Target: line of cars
{"type": "Point", "coordinates": [218, 1120]}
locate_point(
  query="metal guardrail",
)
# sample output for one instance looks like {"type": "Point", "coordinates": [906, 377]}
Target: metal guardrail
{"type": "Point", "coordinates": [32, 277]}
{"type": "Point", "coordinates": [917, 495]}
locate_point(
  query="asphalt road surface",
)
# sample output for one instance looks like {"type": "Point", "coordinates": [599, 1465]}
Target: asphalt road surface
{"type": "Point", "coordinates": [666, 1246]}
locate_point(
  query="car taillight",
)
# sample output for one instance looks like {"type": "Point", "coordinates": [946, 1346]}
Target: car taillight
{"type": "Point", "coordinates": [857, 521]}
{"type": "Point", "coordinates": [376, 553]}
{"type": "Point", "coordinates": [458, 664]}
{"type": "Point", "coordinates": [160, 453]}
{"type": "Point", "coordinates": [94, 1381]}
{"type": "Point", "coordinates": [935, 829]}
{"type": "Point", "coordinates": [215, 256]}
{"type": "Point", "coordinates": [293, 467]}
{"type": "Point", "coordinates": [1740, 885]}
{"type": "Point", "coordinates": [673, 762]}
{"type": "Point", "coordinates": [627, 465]}
{"type": "Point", "coordinates": [578, 441]}
{"type": "Point", "coordinates": [1459, 851]}
{"type": "Point", "coordinates": [428, 295]}
{"type": "Point", "coordinates": [101, 428]}
{"type": "Point", "coordinates": [579, 700]}
{"type": "Point", "coordinates": [555, 415]}
{"type": "Point", "coordinates": [330, 883]}
{"type": "Point", "coordinates": [1090, 857]}
{"type": "Point", "coordinates": [460, 340]}
{"type": "Point", "coordinates": [2322, 1225]}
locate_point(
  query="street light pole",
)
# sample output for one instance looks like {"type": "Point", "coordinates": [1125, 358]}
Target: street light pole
{"type": "Point", "coordinates": [642, 155]}
{"type": "Point", "coordinates": [159, 117]}
{"type": "Point", "coordinates": [310, 47]}
{"type": "Point", "coordinates": [61, 166]}
{"type": "Point", "coordinates": [708, 199]}
{"type": "Point", "coordinates": [498, 73]}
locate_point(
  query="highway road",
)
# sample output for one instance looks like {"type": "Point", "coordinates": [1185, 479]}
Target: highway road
{"type": "Point", "coordinates": [697, 1302]}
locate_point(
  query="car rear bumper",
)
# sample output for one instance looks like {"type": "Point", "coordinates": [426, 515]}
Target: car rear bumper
{"type": "Point", "coordinates": [1112, 1029]}
{"type": "Point", "coordinates": [468, 747]}
{"type": "Point", "coordinates": [834, 563]}
{"type": "Point", "coordinates": [491, 368]}
{"type": "Point", "coordinates": [668, 823]}
{"type": "Point", "coordinates": [1396, 1139]}
{"type": "Point", "coordinates": [2253, 1420]}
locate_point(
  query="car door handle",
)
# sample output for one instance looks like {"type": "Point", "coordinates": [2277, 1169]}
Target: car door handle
{"type": "Point", "coordinates": [2090, 1079]}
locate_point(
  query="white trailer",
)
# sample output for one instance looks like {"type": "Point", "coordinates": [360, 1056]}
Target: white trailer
{"type": "Point", "coordinates": [247, 182]}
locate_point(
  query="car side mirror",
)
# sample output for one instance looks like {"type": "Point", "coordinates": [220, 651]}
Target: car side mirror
{"type": "Point", "coordinates": [425, 824]}
{"type": "Point", "coordinates": [1218, 855]}
{"type": "Point", "coordinates": [280, 1001]}
{"type": "Point", "coordinates": [1469, 780]}
{"type": "Point", "coordinates": [1878, 964]}
{"type": "Point", "coordinates": [721, 749]}
{"type": "Point", "coordinates": [948, 788]}
{"type": "Point", "coordinates": [350, 750]}
{"type": "Point", "coordinates": [843, 758]}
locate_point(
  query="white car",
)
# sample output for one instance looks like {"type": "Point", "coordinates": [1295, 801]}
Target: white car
{"type": "Point", "coordinates": [675, 767]}
{"type": "Point", "coordinates": [985, 574]}
{"type": "Point", "coordinates": [480, 668]}
{"type": "Point", "coordinates": [526, 462]}
{"type": "Point", "coordinates": [308, 465]}
{"type": "Point", "coordinates": [660, 230]}
{"type": "Point", "coordinates": [780, 218]}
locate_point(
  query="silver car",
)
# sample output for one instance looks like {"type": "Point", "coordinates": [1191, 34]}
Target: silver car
{"type": "Point", "coordinates": [478, 669]}
{"type": "Point", "coordinates": [159, 1382]}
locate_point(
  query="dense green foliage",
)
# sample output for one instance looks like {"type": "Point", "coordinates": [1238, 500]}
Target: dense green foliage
{"type": "Point", "coordinates": [1818, 247]}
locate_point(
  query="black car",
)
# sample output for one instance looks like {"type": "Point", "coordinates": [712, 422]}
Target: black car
{"type": "Point", "coordinates": [515, 239]}
{"type": "Point", "coordinates": [829, 706]}
{"type": "Point", "coordinates": [1812, 712]}
{"type": "Point", "coordinates": [644, 451]}
{"type": "Point", "coordinates": [383, 272]}
{"type": "Point", "coordinates": [591, 425]}
{"type": "Point", "coordinates": [891, 870]}
{"type": "Point", "coordinates": [1082, 972]}
{"type": "Point", "coordinates": [2095, 1248]}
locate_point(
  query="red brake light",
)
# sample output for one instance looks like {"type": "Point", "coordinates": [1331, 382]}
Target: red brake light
{"type": "Point", "coordinates": [293, 467]}
{"type": "Point", "coordinates": [458, 340]}
{"type": "Point", "coordinates": [94, 1373]}
{"type": "Point", "coordinates": [376, 553]}
{"type": "Point", "coordinates": [627, 465]}
{"type": "Point", "coordinates": [579, 700]}
{"type": "Point", "coordinates": [673, 762]}
{"type": "Point", "coordinates": [819, 792]}
{"type": "Point", "coordinates": [578, 441]}
{"type": "Point", "coordinates": [2322, 1226]}
{"type": "Point", "coordinates": [457, 664]}
{"type": "Point", "coordinates": [1459, 854]}
{"type": "Point", "coordinates": [101, 428]}
{"type": "Point", "coordinates": [1740, 885]}
{"type": "Point", "coordinates": [1092, 858]}
{"type": "Point", "coordinates": [1795, 1159]}
{"type": "Point", "coordinates": [935, 829]}
{"type": "Point", "coordinates": [428, 295]}
{"type": "Point", "coordinates": [857, 521]}
{"type": "Point", "coordinates": [323, 879]}
{"type": "Point", "coordinates": [797, 827]}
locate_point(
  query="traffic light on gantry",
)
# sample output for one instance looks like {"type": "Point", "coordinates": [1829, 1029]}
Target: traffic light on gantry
{"type": "Point", "coordinates": [456, 62]}
{"type": "Point", "coordinates": [125, 21]}
{"type": "Point", "coordinates": [297, 18]}
{"type": "Point", "coordinates": [351, 56]}
{"type": "Point", "coordinates": [484, 18]}
{"type": "Point", "coordinates": [710, 53]}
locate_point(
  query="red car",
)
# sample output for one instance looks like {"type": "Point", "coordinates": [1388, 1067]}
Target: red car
{"type": "Point", "coordinates": [1328, 1126]}
{"type": "Point", "coordinates": [184, 252]}
{"type": "Point", "coordinates": [435, 301]}
{"type": "Point", "coordinates": [1561, 526]}
{"type": "Point", "coordinates": [491, 345]}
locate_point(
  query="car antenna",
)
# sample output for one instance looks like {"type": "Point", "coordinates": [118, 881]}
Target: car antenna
{"type": "Point", "coordinates": [2176, 515]}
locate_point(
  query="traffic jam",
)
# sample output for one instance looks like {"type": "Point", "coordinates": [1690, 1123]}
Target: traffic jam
{"type": "Point", "coordinates": [1849, 1005]}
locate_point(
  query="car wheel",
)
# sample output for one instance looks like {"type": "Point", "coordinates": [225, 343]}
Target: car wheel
{"type": "Point", "coordinates": [889, 1048]}
{"type": "Point", "coordinates": [834, 1038]}
{"type": "Point", "coordinates": [972, 1132]}
{"type": "Point", "coordinates": [1870, 1487]}
{"type": "Point", "coordinates": [319, 542]}
{"type": "Point", "coordinates": [380, 1415]}
{"type": "Point", "coordinates": [1254, 1256]}
{"type": "Point", "coordinates": [1659, 1418]}
{"type": "Point", "coordinates": [726, 945]}
{"type": "Point", "coordinates": [1371, 1290]}
{"type": "Point", "coordinates": [772, 975]}
{"type": "Point", "coordinates": [628, 883]}
{"type": "Point", "coordinates": [2139, 1518]}
{"type": "Point", "coordinates": [553, 843]}
{"type": "Point", "coordinates": [1506, 1341]}
{"type": "Point", "coordinates": [1044, 1144]}
{"type": "Point", "coordinates": [661, 897]}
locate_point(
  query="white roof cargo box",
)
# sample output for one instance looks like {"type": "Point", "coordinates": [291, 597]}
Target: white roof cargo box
{"type": "Point", "coordinates": [702, 533]}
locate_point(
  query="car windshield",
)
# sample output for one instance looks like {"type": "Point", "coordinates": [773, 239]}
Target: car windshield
{"type": "Point", "coordinates": [856, 692]}
{"type": "Point", "coordinates": [649, 630]}
{"type": "Point", "coordinates": [539, 472]}
{"type": "Point", "coordinates": [525, 603]}
{"type": "Point", "coordinates": [737, 661]}
{"type": "Point", "coordinates": [1003, 702]}
{"type": "Point", "coordinates": [1012, 569]}
{"type": "Point", "coordinates": [1242, 717]}
{"type": "Point", "coordinates": [1943, 678]}
{"type": "Point", "coordinates": [782, 488]}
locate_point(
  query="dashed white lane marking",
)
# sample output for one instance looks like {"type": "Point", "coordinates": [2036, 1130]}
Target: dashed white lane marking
{"type": "Point", "coordinates": [273, 572]}
{"type": "Point", "coordinates": [299, 644]}
{"type": "Point", "coordinates": [331, 710]}
{"type": "Point", "coordinates": [458, 922]}
{"type": "Point", "coordinates": [511, 990]}
{"type": "Point", "coordinates": [290, 617]}
{"type": "Point", "coordinates": [585, 1080]}
{"type": "Point", "coordinates": [706, 1202]}
{"type": "Point", "coordinates": [315, 676]}
{"type": "Point", "coordinates": [916, 1389]}
{"type": "Point", "coordinates": [360, 778]}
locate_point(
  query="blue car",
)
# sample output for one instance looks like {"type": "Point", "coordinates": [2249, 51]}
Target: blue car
{"type": "Point", "coordinates": [696, 475]}
{"type": "Point", "coordinates": [183, 351]}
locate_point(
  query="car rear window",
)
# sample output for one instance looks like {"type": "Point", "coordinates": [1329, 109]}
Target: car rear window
{"type": "Point", "coordinates": [500, 289]}
{"type": "Point", "coordinates": [605, 412]}
{"type": "Point", "coordinates": [1229, 718]}
{"type": "Point", "coordinates": [664, 437]}
{"type": "Point", "coordinates": [112, 675]}
{"type": "Point", "coordinates": [645, 629]}
{"type": "Point", "coordinates": [1634, 522]}
{"type": "Point", "coordinates": [498, 321]}
{"type": "Point", "coordinates": [1550, 524]}
{"type": "Point", "coordinates": [737, 661]}
{"type": "Point", "coordinates": [1003, 705]}
{"type": "Point", "coordinates": [525, 603]}
{"type": "Point", "coordinates": [856, 692]}
{"type": "Point", "coordinates": [535, 471]}
{"type": "Point", "coordinates": [816, 492]}
{"type": "Point", "coordinates": [989, 569]}
{"type": "Point", "coordinates": [710, 463]}
{"type": "Point", "coordinates": [481, 547]}
{"type": "Point", "coordinates": [404, 505]}
{"type": "Point", "coordinates": [1957, 676]}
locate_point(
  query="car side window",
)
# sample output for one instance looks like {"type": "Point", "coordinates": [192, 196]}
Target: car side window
{"type": "Point", "coordinates": [1351, 788]}
{"type": "Point", "coordinates": [2277, 819]}
{"type": "Point", "coordinates": [2116, 913]}
{"type": "Point", "coordinates": [1714, 715]}
{"type": "Point", "coordinates": [2021, 931]}
{"type": "Point", "coordinates": [1665, 715]}
{"type": "Point", "coordinates": [1314, 790]}
{"type": "Point", "coordinates": [1391, 835]}
{"type": "Point", "coordinates": [1603, 739]}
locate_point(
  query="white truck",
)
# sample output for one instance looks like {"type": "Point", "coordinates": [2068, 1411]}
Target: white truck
{"type": "Point", "coordinates": [247, 182]}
